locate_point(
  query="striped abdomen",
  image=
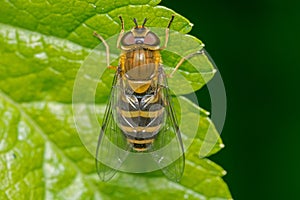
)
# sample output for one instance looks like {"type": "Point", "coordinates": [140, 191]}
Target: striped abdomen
{"type": "Point", "coordinates": [140, 118]}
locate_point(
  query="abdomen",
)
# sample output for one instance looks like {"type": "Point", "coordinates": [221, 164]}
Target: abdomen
{"type": "Point", "coordinates": [140, 117]}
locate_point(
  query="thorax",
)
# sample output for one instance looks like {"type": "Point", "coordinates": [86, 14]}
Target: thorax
{"type": "Point", "coordinates": [139, 69]}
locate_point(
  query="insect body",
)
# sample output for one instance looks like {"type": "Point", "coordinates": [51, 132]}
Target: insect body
{"type": "Point", "coordinates": [140, 112]}
{"type": "Point", "coordinates": [139, 117]}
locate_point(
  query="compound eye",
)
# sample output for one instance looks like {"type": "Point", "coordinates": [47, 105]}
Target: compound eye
{"type": "Point", "coordinates": [128, 39]}
{"type": "Point", "coordinates": [151, 39]}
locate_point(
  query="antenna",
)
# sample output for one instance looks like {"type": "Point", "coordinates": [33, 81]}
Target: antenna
{"type": "Point", "coordinates": [135, 22]}
{"type": "Point", "coordinates": [145, 20]}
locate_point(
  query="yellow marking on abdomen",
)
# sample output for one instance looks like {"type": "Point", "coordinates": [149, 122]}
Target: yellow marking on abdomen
{"type": "Point", "coordinates": [140, 149]}
{"type": "Point", "coordinates": [146, 114]}
{"type": "Point", "coordinates": [140, 141]}
{"type": "Point", "coordinates": [150, 129]}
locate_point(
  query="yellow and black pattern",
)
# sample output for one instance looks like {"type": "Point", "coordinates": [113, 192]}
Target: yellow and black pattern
{"type": "Point", "coordinates": [139, 116]}
{"type": "Point", "coordinates": [140, 105]}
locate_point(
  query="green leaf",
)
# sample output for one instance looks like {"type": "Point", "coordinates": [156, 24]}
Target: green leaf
{"type": "Point", "coordinates": [42, 46]}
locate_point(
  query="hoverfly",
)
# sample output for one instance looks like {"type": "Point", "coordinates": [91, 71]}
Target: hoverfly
{"type": "Point", "coordinates": [139, 116]}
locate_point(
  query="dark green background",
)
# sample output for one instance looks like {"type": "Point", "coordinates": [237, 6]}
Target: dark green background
{"type": "Point", "coordinates": [257, 49]}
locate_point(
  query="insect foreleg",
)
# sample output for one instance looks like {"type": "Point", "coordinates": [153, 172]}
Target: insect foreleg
{"type": "Point", "coordinates": [167, 32]}
{"type": "Point", "coordinates": [106, 47]}
{"type": "Point", "coordinates": [184, 59]}
{"type": "Point", "coordinates": [121, 33]}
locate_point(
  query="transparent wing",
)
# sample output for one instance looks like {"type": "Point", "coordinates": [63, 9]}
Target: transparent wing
{"type": "Point", "coordinates": [167, 149]}
{"type": "Point", "coordinates": [112, 148]}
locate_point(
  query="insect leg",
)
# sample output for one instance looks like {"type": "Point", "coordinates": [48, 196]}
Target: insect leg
{"type": "Point", "coordinates": [106, 47]}
{"type": "Point", "coordinates": [184, 59]}
{"type": "Point", "coordinates": [121, 33]}
{"type": "Point", "coordinates": [167, 32]}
